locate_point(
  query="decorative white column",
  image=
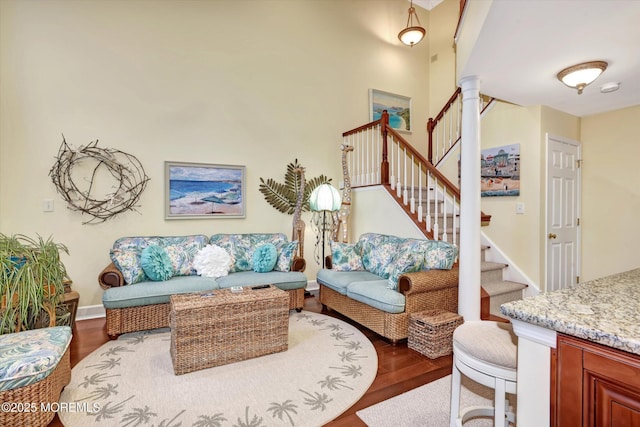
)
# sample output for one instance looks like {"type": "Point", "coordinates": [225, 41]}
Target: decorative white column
{"type": "Point", "coordinates": [469, 282]}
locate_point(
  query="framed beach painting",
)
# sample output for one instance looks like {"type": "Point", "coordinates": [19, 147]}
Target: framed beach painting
{"type": "Point", "coordinates": [199, 190]}
{"type": "Point", "coordinates": [398, 107]}
{"type": "Point", "coordinates": [500, 171]}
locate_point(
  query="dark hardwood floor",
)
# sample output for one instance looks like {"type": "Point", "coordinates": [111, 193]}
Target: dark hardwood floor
{"type": "Point", "coordinates": [400, 369]}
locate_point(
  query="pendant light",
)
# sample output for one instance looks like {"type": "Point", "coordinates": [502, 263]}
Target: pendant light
{"type": "Point", "coordinates": [412, 34]}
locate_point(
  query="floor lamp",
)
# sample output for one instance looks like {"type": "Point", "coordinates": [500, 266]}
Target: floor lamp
{"type": "Point", "coordinates": [324, 199]}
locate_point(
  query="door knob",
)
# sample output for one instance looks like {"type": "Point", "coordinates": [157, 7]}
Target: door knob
{"type": "Point", "coordinates": [552, 236]}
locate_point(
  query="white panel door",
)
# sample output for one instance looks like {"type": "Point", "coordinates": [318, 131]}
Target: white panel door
{"type": "Point", "coordinates": [563, 213]}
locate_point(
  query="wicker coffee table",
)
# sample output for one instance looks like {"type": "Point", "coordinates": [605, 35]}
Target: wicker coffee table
{"type": "Point", "coordinates": [215, 328]}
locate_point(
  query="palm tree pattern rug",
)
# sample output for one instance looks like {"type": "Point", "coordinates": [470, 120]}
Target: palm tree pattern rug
{"type": "Point", "coordinates": [130, 382]}
{"type": "Point", "coordinates": [430, 405]}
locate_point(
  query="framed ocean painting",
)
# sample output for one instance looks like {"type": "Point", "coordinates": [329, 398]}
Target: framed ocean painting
{"type": "Point", "coordinates": [398, 107]}
{"type": "Point", "coordinates": [198, 190]}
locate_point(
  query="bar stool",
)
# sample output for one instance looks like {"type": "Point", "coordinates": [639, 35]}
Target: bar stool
{"type": "Point", "coordinates": [486, 352]}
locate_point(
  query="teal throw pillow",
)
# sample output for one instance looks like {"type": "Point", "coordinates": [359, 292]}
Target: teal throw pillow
{"type": "Point", "coordinates": [264, 258]}
{"type": "Point", "coordinates": [156, 263]}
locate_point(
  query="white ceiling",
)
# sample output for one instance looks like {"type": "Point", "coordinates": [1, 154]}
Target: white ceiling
{"type": "Point", "coordinates": [427, 4]}
{"type": "Point", "coordinates": [524, 43]}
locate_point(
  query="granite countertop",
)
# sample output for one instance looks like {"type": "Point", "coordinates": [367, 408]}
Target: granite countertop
{"type": "Point", "coordinates": [605, 311]}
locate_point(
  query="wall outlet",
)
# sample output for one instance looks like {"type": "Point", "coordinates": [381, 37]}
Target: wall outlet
{"type": "Point", "coordinates": [47, 205]}
{"type": "Point", "coordinates": [520, 208]}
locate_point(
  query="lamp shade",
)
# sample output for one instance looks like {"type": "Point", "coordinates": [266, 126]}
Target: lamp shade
{"type": "Point", "coordinates": [325, 198]}
{"type": "Point", "coordinates": [411, 35]}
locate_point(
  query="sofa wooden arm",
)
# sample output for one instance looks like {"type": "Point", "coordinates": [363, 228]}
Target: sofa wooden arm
{"type": "Point", "coordinates": [110, 277]}
{"type": "Point", "coordinates": [298, 264]}
{"type": "Point", "coordinates": [328, 264]}
{"type": "Point", "coordinates": [428, 281]}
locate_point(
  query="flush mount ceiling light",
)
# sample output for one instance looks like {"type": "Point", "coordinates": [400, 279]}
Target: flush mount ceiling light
{"type": "Point", "coordinates": [582, 75]}
{"type": "Point", "coordinates": [412, 34]}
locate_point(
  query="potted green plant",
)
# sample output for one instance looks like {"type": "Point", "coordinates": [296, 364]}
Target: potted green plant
{"type": "Point", "coordinates": [32, 279]}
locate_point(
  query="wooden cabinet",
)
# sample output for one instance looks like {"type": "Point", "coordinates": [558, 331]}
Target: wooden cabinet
{"type": "Point", "coordinates": [593, 385]}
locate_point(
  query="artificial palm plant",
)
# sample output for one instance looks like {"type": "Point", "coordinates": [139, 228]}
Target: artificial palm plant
{"type": "Point", "coordinates": [282, 196]}
{"type": "Point", "coordinates": [32, 279]}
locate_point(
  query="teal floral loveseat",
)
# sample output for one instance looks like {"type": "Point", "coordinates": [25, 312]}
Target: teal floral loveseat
{"type": "Point", "coordinates": [146, 270]}
{"type": "Point", "coordinates": [380, 280]}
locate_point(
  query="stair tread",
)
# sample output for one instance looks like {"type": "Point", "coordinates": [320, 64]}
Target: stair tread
{"type": "Point", "coordinates": [490, 265]}
{"type": "Point", "coordinates": [502, 287]}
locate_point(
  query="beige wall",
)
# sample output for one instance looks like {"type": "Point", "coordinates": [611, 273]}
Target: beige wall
{"type": "Point", "coordinates": [378, 212]}
{"type": "Point", "coordinates": [239, 82]}
{"type": "Point", "coordinates": [442, 55]}
{"type": "Point", "coordinates": [516, 235]}
{"type": "Point", "coordinates": [610, 197]}
{"type": "Point", "coordinates": [519, 236]}
{"type": "Point", "coordinates": [610, 192]}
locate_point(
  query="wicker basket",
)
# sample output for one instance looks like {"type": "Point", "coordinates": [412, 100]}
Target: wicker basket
{"type": "Point", "coordinates": [431, 332]}
{"type": "Point", "coordinates": [223, 327]}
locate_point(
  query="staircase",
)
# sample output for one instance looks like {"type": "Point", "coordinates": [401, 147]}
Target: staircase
{"type": "Point", "coordinates": [496, 290]}
{"type": "Point", "coordinates": [381, 156]}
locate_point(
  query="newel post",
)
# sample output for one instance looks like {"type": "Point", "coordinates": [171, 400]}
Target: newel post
{"type": "Point", "coordinates": [384, 167]}
{"type": "Point", "coordinates": [430, 126]}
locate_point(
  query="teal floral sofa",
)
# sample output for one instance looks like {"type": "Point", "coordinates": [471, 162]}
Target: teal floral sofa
{"type": "Point", "coordinates": [381, 279]}
{"type": "Point", "coordinates": [145, 271]}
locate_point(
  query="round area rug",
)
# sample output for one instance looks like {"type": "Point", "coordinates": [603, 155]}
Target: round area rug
{"type": "Point", "coordinates": [130, 382]}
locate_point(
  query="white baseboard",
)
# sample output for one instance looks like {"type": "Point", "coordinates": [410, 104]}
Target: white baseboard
{"type": "Point", "coordinates": [90, 312]}
{"type": "Point", "coordinates": [312, 285]}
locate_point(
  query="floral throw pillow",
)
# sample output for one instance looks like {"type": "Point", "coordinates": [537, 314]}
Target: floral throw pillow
{"type": "Point", "coordinates": [440, 255]}
{"type": "Point", "coordinates": [126, 252]}
{"type": "Point", "coordinates": [182, 250]}
{"type": "Point", "coordinates": [156, 263]}
{"type": "Point", "coordinates": [378, 252]}
{"type": "Point", "coordinates": [241, 246]}
{"type": "Point", "coordinates": [408, 260]}
{"type": "Point", "coordinates": [286, 251]}
{"type": "Point", "coordinates": [345, 257]}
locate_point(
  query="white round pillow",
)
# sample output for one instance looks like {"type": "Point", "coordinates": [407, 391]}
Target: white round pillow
{"type": "Point", "coordinates": [212, 261]}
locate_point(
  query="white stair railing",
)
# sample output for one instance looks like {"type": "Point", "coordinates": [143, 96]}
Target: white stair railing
{"type": "Point", "coordinates": [444, 130]}
{"type": "Point", "coordinates": [428, 196]}
{"type": "Point", "coordinates": [364, 164]}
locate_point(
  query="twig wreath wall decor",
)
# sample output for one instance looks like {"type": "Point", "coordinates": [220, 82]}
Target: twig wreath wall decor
{"type": "Point", "coordinates": [125, 169]}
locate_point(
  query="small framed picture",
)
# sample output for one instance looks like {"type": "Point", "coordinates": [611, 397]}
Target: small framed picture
{"type": "Point", "coordinates": [500, 171]}
{"type": "Point", "coordinates": [398, 107]}
{"type": "Point", "coordinates": [200, 190]}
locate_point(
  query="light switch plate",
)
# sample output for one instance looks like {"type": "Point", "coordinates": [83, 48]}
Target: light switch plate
{"type": "Point", "coordinates": [47, 205]}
